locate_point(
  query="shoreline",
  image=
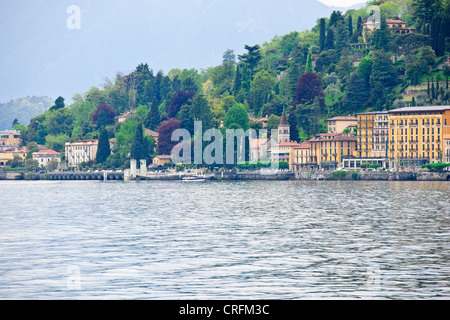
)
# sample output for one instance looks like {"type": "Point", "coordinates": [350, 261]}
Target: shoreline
{"type": "Point", "coordinates": [240, 176]}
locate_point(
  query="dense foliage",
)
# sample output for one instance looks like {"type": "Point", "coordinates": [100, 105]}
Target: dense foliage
{"type": "Point", "coordinates": [314, 75]}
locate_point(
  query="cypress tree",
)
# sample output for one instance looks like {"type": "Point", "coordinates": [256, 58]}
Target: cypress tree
{"type": "Point", "coordinates": [309, 66]}
{"type": "Point", "coordinates": [428, 86]}
{"type": "Point", "coordinates": [293, 122]}
{"type": "Point", "coordinates": [413, 102]}
{"type": "Point", "coordinates": [329, 42]}
{"type": "Point", "coordinates": [433, 93]}
{"type": "Point", "coordinates": [103, 150]}
{"type": "Point", "coordinates": [139, 145]}
{"type": "Point", "coordinates": [153, 118]}
{"type": "Point", "coordinates": [350, 26]}
{"type": "Point", "coordinates": [440, 45]}
{"type": "Point", "coordinates": [322, 35]}
{"type": "Point", "coordinates": [237, 80]}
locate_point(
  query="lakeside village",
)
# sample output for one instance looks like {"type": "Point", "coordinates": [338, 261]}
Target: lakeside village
{"type": "Point", "coordinates": [409, 139]}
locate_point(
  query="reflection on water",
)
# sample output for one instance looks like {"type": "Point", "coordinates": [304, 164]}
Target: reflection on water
{"type": "Point", "coordinates": [224, 240]}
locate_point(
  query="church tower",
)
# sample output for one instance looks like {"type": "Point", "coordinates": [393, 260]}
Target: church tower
{"type": "Point", "coordinates": [284, 129]}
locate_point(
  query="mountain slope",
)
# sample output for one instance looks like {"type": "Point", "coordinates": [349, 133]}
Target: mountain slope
{"type": "Point", "coordinates": [23, 110]}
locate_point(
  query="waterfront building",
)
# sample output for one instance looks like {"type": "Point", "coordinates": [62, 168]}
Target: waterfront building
{"type": "Point", "coordinates": [284, 130]}
{"type": "Point", "coordinates": [45, 156]}
{"type": "Point", "coordinates": [80, 151]}
{"type": "Point", "coordinates": [161, 160]}
{"type": "Point", "coordinates": [339, 124]}
{"type": "Point", "coordinates": [446, 158]}
{"type": "Point", "coordinates": [10, 139]}
{"type": "Point", "coordinates": [10, 154]}
{"type": "Point", "coordinates": [327, 150]}
{"type": "Point", "coordinates": [366, 123]}
{"type": "Point", "coordinates": [281, 150]}
{"type": "Point", "coordinates": [300, 157]}
{"type": "Point", "coordinates": [417, 134]}
{"type": "Point", "coordinates": [373, 140]}
{"type": "Point", "coordinates": [380, 137]}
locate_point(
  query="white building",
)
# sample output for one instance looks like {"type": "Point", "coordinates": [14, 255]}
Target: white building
{"type": "Point", "coordinates": [45, 156]}
{"type": "Point", "coordinates": [80, 151]}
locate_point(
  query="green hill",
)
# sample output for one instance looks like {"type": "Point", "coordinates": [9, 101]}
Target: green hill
{"type": "Point", "coordinates": [22, 109]}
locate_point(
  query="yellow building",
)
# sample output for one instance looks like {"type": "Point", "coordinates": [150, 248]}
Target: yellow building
{"type": "Point", "coordinates": [366, 123]}
{"type": "Point", "coordinates": [10, 139]}
{"type": "Point", "coordinates": [10, 154]}
{"type": "Point", "coordinates": [161, 160]}
{"type": "Point", "coordinates": [417, 135]}
{"type": "Point", "coordinates": [329, 149]}
{"type": "Point", "coordinates": [300, 157]}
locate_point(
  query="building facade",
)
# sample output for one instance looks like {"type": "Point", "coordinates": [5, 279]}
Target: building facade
{"type": "Point", "coordinates": [446, 158]}
{"type": "Point", "coordinates": [300, 157]}
{"type": "Point", "coordinates": [80, 151]}
{"type": "Point", "coordinates": [380, 137]}
{"type": "Point", "coordinates": [366, 124]}
{"type": "Point", "coordinates": [328, 150]}
{"type": "Point", "coordinates": [339, 124]}
{"type": "Point", "coordinates": [10, 139]}
{"type": "Point", "coordinates": [417, 134]}
{"type": "Point", "coordinates": [44, 157]}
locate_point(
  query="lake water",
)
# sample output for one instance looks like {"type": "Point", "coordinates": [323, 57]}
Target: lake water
{"type": "Point", "coordinates": [224, 240]}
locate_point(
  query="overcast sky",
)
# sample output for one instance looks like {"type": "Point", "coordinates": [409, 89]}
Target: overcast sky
{"type": "Point", "coordinates": [48, 49]}
{"type": "Point", "coordinates": [342, 3]}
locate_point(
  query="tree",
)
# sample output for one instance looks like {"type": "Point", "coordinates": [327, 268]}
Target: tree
{"type": "Point", "coordinates": [165, 130]}
{"type": "Point", "coordinates": [309, 66]}
{"type": "Point", "coordinates": [104, 149]}
{"type": "Point", "coordinates": [322, 35]}
{"type": "Point", "coordinates": [382, 77]}
{"type": "Point", "coordinates": [59, 104]}
{"type": "Point", "coordinates": [309, 87]}
{"type": "Point", "coordinates": [52, 165]}
{"type": "Point", "coordinates": [293, 123]}
{"type": "Point", "coordinates": [237, 115]}
{"type": "Point", "coordinates": [342, 39]}
{"type": "Point", "coordinates": [229, 56]}
{"type": "Point", "coordinates": [179, 99]}
{"type": "Point", "coordinates": [440, 46]}
{"type": "Point", "coordinates": [329, 42]}
{"type": "Point", "coordinates": [350, 26]}
{"type": "Point", "coordinates": [15, 122]}
{"type": "Point", "coordinates": [108, 111]}
{"type": "Point", "coordinates": [260, 89]}
{"type": "Point", "coordinates": [357, 93]}
{"type": "Point", "coordinates": [425, 10]}
{"type": "Point", "coordinates": [139, 145]}
{"type": "Point", "coordinates": [382, 36]}
{"type": "Point", "coordinates": [237, 85]}
{"type": "Point", "coordinates": [153, 117]}
{"type": "Point", "coordinates": [251, 58]}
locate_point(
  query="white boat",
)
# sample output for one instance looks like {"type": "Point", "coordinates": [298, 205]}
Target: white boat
{"type": "Point", "coordinates": [194, 178]}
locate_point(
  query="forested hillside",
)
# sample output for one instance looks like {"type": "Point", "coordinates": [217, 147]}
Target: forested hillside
{"type": "Point", "coordinates": [314, 74]}
{"type": "Point", "coordinates": [22, 110]}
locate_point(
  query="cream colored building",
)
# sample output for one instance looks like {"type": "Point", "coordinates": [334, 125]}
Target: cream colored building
{"type": "Point", "coordinates": [44, 157]}
{"type": "Point", "coordinates": [161, 160]}
{"type": "Point", "coordinates": [339, 124]}
{"type": "Point", "coordinates": [80, 151]}
{"type": "Point", "coordinates": [10, 154]}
